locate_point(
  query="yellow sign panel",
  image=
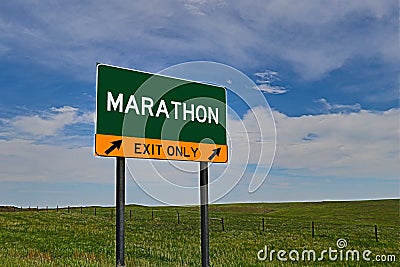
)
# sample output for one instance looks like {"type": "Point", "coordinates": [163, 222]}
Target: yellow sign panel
{"type": "Point", "coordinates": [133, 147]}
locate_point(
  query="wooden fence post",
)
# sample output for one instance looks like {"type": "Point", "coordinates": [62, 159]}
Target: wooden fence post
{"type": "Point", "coordinates": [312, 229]}
{"type": "Point", "coordinates": [376, 233]}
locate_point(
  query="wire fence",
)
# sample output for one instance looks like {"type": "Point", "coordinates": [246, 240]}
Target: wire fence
{"type": "Point", "coordinates": [218, 221]}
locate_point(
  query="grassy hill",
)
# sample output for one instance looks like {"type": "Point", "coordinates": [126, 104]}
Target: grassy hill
{"type": "Point", "coordinates": [154, 238]}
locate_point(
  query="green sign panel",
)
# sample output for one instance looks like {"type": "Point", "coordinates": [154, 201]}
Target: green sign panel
{"type": "Point", "coordinates": [150, 108]}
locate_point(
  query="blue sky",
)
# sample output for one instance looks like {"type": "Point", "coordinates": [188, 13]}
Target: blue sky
{"type": "Point", "coordinates": [328, 69]}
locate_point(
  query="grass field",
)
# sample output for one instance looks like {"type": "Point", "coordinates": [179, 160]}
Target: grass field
{"type": "Point", "coordinates": [154, 238]}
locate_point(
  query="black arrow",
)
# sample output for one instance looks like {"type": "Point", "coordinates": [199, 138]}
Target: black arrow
{"type": "Point", "coordinates": [115, 145]}
{"type": "Point", "coordinates": [215, 153]}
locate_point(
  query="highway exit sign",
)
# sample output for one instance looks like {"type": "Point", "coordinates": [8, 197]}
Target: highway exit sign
{"type": "Point", "coordinates": [144, 115]}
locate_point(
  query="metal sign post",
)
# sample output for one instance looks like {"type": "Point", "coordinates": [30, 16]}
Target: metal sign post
{"type": "Point", "coordinates": [120, 213]}
{"type": "Point", "coordinates": [205, 249]}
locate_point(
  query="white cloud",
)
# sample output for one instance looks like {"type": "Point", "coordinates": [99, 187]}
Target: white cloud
{"type": "Point", "coordinates": [267, 76]}
{"type": "Point", "coordinates": [50, 123]}
{"type": "Point", "coordinates": [276, 90]}
{"type": "Point", "coordinates": [49, 163]}
{"type": "Point", "coordinates": [328, 107]}
{"type": "Point", "coordinates": [64, 109]}
{"type": "Point", "coordinates": [265, 80]}
{"type": "Point", "coordinates": [360, 145]}
{"type": "Point", "coordinates": [315, 38]}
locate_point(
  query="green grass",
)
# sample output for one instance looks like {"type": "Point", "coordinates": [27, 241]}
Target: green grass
{"type": "Point", "coordinates": [51, 238]}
